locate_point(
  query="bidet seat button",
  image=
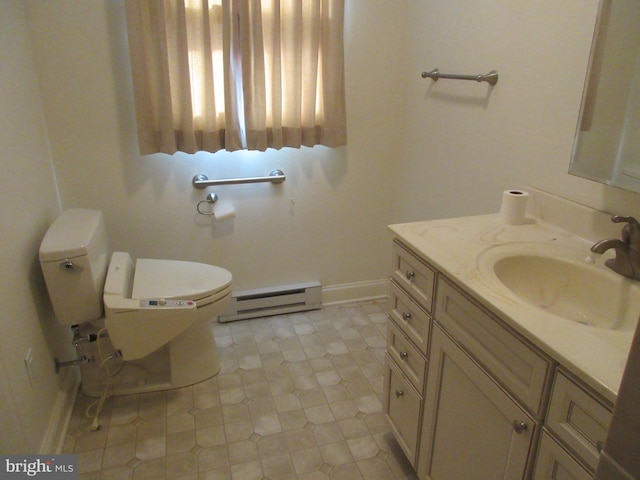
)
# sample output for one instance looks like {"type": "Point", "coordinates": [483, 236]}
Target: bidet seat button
{"type": "Point", "coordinates": [162, 301]}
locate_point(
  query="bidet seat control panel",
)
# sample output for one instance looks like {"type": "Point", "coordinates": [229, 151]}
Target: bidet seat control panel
{"type": "Point", "coordinates": [162, 303]}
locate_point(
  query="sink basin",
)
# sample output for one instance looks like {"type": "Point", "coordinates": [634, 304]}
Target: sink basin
{"type": "Point", "coordinates": [559, 281]}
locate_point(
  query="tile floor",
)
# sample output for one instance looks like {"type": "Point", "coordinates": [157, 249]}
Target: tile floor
{"type": "Point", "coordinates": [298, 397]}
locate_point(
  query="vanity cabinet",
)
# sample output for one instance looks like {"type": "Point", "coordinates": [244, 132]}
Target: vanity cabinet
{"type": "Point", "coordinates": [479, 384]}
{"type": "Point", "coordinates": [468, 397]}
{"type": "Point", "coordinates": [508, 390]}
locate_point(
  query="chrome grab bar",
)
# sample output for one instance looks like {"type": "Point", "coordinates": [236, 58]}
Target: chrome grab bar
{"type": "Point", "coordinates": [491, 78]}
{"type": "Point", "coordinates": [202, 181]}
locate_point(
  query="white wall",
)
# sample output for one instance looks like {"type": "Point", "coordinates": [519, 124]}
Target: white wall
{"type": "Point", "coordinates": [326, 222]}
{"type": "Point", "coordinates": [29, 204]}
{"type": "Point", "coordinates": [466, 142]}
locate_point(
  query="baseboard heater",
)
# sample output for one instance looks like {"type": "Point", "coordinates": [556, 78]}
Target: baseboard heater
{"type": "Point", "coordinates": [273, 301]}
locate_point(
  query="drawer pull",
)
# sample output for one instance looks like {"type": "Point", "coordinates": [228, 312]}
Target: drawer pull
{"type": "Point", "coordinates": [520, 426]}
{"type": "Point", "coordinates": [406, 316]}
{"type": "Point", "coordinates": [410, 275]}
{"type": "Point", "coordinates": [399, 393]}
{"type": "Point", "coordinates": [404, 355]}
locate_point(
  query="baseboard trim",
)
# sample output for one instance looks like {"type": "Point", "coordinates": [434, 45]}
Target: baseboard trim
{"type": "Point", "coordinates": [357, 291]}
{"type": "Point", "coordinates": [54, 436]}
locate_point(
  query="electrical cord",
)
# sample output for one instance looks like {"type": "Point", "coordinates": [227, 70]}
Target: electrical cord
{"type": "Point", "coordinates": [104, 363]}
{"type": "Point", "coordinates": [95, 425]}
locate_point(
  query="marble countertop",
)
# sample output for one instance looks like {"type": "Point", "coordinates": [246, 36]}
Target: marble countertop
{"type": "Point", "coordinates": [454, 246]}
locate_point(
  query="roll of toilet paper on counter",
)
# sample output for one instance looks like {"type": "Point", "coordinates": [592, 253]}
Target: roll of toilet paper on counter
{"type": "Point", "coordinates": [514, 207]}
{"type": "Point", "coordinates": [223, 211]}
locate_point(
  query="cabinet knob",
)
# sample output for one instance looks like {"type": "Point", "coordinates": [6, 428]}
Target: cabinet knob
{"type": "Point", "coordinates": [406, 316]}
{"type": "Point", "coordinates": [519, 426]}
{"type": "Point", "coordinates": [399, 393]}
{"type": "Point", "coordinates": [404, 355]}
{"type": "Point", "coordinates": [410, 275]}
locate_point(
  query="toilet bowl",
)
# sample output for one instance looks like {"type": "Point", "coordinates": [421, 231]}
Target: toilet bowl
{"type": "Point", "coordinates": [147, 320]}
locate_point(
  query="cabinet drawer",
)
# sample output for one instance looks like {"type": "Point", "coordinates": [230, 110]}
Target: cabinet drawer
{"type": "Point", "coordinates": [415, 276]}
{"type": "Point", "coordinates": [555, 463]}
{"type": "Point", "coordinates": [520, 369]}
{"type": "Point", "coordinates": [402, 408]}
{"type": "Point", "coordinates": [407, 358]}
{"type": "Point", "coordinates": [410, 318]}
{"type": "Point", "coordinates": [578, 419]}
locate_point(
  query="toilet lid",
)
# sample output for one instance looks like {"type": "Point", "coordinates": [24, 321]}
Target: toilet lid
{"type": "Point", "coordinates": [177, 279]}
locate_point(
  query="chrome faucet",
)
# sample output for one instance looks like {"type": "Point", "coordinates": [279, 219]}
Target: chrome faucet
{"type": "Point", "coordinates": [627, 260]}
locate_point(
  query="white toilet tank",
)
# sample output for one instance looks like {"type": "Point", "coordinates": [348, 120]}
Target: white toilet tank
{"type": "Point", "coordinates": [74, 259]}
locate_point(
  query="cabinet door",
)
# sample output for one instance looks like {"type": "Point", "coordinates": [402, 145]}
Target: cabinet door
{"type": "Point", "coordinates": [472, 429]}
{"type": "Point", "coordinates": [555, 463]}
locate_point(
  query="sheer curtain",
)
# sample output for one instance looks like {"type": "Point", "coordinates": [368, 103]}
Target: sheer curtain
{"type": "Point", "coordinates": [237, 74]}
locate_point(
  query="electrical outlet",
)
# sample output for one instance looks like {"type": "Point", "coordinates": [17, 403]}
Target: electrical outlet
{"type": "Point", "coordinates": [28, 364]}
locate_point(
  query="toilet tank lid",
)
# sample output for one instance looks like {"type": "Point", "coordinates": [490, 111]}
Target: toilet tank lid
{"type": "Point", "coordinates": [70, 234]}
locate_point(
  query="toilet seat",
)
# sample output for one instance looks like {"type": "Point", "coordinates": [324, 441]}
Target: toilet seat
{"type": "Point", "coordinates": [177, 279]}
{"type": "Point", "coordinates": [137, 318]}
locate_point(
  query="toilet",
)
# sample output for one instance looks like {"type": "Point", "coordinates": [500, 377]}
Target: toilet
{"type": "Point", "coordinates": [138, 326]}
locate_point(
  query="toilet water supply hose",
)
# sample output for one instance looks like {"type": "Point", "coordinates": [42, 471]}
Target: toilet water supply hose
{"type": "Point", "coordinates": [104, 363]}
{"type": "Point", "coordinates": [95, 425]}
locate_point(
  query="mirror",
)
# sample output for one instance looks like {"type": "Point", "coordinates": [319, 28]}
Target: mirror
{"type": "Point", "coordinates": [607, 142]}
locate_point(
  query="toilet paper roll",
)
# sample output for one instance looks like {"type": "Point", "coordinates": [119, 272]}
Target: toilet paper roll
{"type": "Point", "coordinates": [514, 207]}
{"type": "Point", "coordinates": [223, 211]}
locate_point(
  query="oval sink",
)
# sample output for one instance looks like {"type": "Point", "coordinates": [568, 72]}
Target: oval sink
{"type": "Point", "coordinates": [565, 287]}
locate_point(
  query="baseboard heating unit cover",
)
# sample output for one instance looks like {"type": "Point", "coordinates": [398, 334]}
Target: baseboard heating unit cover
{"type": "Point", "coordinates": [273, 301]}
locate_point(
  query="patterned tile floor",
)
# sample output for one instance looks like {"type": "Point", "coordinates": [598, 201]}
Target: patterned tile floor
{"type": "Point", "coordinates": [298, 397]}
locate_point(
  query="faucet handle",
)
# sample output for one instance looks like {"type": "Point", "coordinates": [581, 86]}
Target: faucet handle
{"type": "Point", "coordinates": [620, 219]}
{"type": "Point", "coordinates": [630, 232]}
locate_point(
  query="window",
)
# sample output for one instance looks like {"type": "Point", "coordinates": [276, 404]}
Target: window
{"type": "Point", "coordinates": [237, 74]}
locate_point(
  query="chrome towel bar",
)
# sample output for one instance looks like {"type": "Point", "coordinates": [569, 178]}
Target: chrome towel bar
{"type": "Point", "coordinates": [491, 78]}
{"type": "Point", "coordinates": [202, 181]}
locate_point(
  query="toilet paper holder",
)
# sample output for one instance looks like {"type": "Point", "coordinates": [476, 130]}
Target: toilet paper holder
{"type": "Point", "coordinates": [211, 199]}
